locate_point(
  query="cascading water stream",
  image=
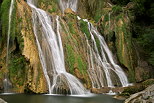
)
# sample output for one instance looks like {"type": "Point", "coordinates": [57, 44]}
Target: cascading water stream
{"type": "Point", "coordinates": [9, 30]}
{"type": "Point", "coordinates": [101, 63]}
{"type": "Point", "coordinates": [6, 81]}
{"type": "Point", "coordinates": [109, 20]}
{"type": "Point", "coordinates": [64, 4]}
{"type": "Point", "coordinates": [51, 54]}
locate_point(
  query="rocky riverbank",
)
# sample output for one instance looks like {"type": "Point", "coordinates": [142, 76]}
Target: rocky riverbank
{"type": "Point", "coordinates": [146, 96]}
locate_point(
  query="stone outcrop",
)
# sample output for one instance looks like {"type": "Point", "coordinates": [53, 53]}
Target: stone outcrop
{"type": "Point", "coordinates": [35, 78]}
{"type": "Point", "coordinates": [2, 101]}
{"type": "Point", "coordinates": [146, 96]}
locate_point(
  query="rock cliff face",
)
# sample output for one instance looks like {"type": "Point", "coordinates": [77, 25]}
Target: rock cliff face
{"type": "Point", "coordinates": [25, 70]}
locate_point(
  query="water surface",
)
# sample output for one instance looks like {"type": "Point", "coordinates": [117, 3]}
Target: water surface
{"type": "Point", "coordinates": [25, 98]}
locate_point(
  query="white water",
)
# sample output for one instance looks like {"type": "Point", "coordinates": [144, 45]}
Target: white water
{"type": "Point", "coordinates": [109, 20]}
{"type": "Point", "coordinates": [101, 62]}
{"type": "Point", "coordinates": [51, 54]}
{"type": "Point", "coordinates": [72, 4]}
{"type": "Point", "coordinates": [6, 81]}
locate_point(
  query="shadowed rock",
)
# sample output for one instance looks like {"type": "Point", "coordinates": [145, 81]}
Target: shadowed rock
{"type": "Point", "coordinates": [146, 96]}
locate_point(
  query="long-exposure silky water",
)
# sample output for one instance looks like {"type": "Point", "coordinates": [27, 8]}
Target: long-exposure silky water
{"type": "Point", "coordinates": [64, 4]}
{"type": "Point", "coordinates": [6, 82]}
{"type": "Point", "coordinates": [103, 71]}
{"type": "Point", "coordinates": [51, 55]}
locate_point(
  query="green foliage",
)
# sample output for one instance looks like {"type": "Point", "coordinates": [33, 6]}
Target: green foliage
{"type": "Point", "coordinates": [54, 7]}
{"type": "Point", "coordinates": [143, 27]}
{"type": "Point", "coordinates": [106, 18]}
{"type": "Point", "coordinates": [132, 89]}
{"type": "Point", "coordinates": [116, 9]}
{"type": "Point", "coordinates": [151, 59]}
{"type": "Point", "coordinates": [120, 16]}
{"type": "Point", "coordinates": [98, 15]}
{"type": "Point", "coordinates": [98, 44]}
{"type": "Point", "coordinates": [70, 58]}
{"type": "Point", "coordinates": [144, 10]}
{"type": "Point", "coordinates": [17, 67]}
{"type": "Point", "coordinates": [120, 2]}
{"type": "Point", "coordinates": [137, 88]}
{"type": "Point", "coordinates": [73, 58]}
{"type": "Point", "coordinates": [44, 4]}
{"type": "Point", "coordinates": [71, 28]}
{"type": "Point", "coordinates": [84, 28]}
{"type": "Point", "coordinates": [81, 65]}
{"type": "Point", "coordinates": [52, 10]}
{"type": "Point", "coordinates": [4, 13]}
{"type": "Point", "coordinates": [148, 82]}
{"type": "Point", "coordinates": [146, 40]}
{"type": "Point", "coordinates": [139, 6]}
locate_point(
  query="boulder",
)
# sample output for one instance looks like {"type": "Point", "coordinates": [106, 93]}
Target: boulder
{"type": "Point", "coordinates": [69, 11]}
{"type": "Point", "coordinates": [2, 101]}
{"type": "Point", "coordinates": [146, 96]}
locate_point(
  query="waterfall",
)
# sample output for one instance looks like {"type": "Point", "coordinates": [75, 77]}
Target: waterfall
{"type": "Point", "coordinates": [103, 71]}
{"type": "Point", "coordinates": [6, 81]}
{"type": "Point", "coordinates": [109, 20]}
{"type": "Point", "coordinates": [9, 30]}
{"type": "Point", "coordinates": [51, 54]}
{"type": "Point", "coordinates": [64, 4]}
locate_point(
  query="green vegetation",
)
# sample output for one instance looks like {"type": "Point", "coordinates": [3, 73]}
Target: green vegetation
{"type": "Point", "coordinates": [120, 2]}
{"type": "Point", "coordinates": [74, 59]}
{"type": "Point", "coordinates": [17, 69]}
{"type": "Point", "coordinates": [81, 65]}
{"type": "Point", "coordinates": [145, 39]}
{"type": "Point", "coordinates": [48, 5]}
{"type": "Point", "coordinates": [84, 28]}
{"type": "Point", "coordinates": [71, 28]}
{"type": "Point", "coordinates": [98, 15]}
{"type": "Point", "coordinates": [143, 25]}
{"type": "Point", "coordinates": [70, 58]}
{"type": "Point", "coordinates": [116, 9]}
{"type": "Point", "coordinates": [137, 88]}
{"type": "Point", "coordinates": [4, 12]}
{"type": "Point", "coordinates": [106, 18]}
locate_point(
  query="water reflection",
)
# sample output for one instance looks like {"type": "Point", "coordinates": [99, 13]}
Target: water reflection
{"type": "Point", "coordinates": [23, 98]}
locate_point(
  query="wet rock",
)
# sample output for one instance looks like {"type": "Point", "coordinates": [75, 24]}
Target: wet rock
{"type": "Point", "coordinates": [78, 74]}
{"type": "Point", "coordinates": [143, 71]}
{"type": "Point", "coordinates": [107, 90]}
{"type": "Point", "coordinates": [2, 101]}
{"type": "Point", "coordinates": [118, 89]}
{"type": "Point", "coordinates": [146, 96]}
{"type": "Point", "coordinates": [100, 90]}
{"type": "Point", "coordinates": [69, 11]}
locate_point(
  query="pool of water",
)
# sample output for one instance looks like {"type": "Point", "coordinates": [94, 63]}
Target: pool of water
{"type": "Point", "coordinates": [25, 98]}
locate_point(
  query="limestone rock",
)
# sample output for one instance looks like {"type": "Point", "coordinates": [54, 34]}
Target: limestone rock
{"type": "Point", "coordinates": [2, 101]}
{"type": "Point", "coordinates": [69, 11]}
{"type": "Point", "coordinates": [146, 96]}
